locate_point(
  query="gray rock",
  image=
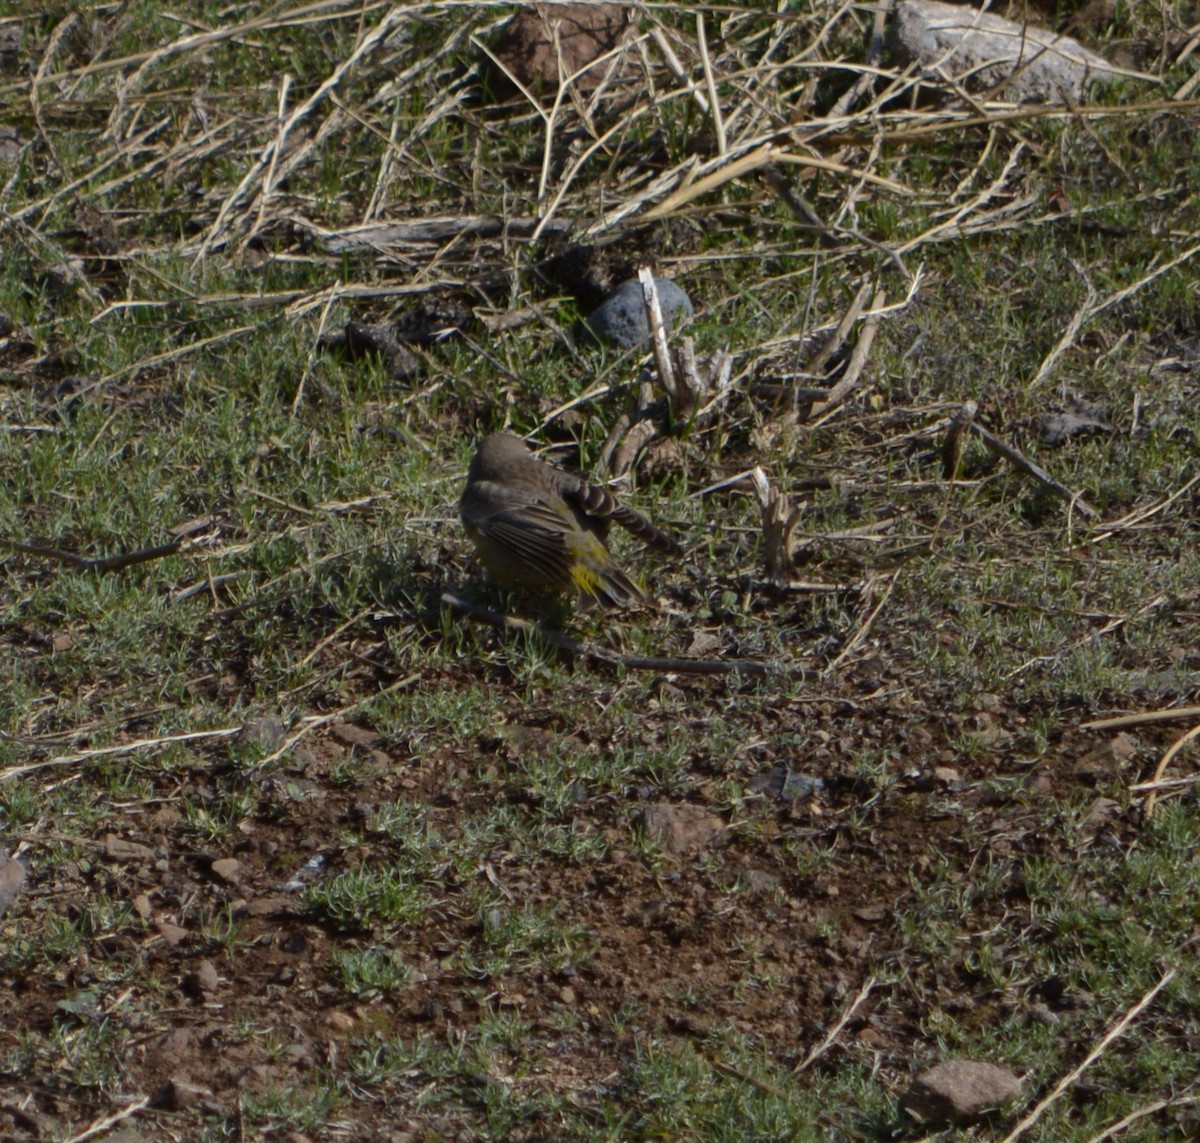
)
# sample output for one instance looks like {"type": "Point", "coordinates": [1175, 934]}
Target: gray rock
{"type": "Point", "coordinates": [981, 51]}
{"type": "Point", "coordinates": [12, 877]}
{"type": "Point", "coordinates": [621, 317]}
{"type": "Point", "coordinates": [1078, 419]}
{"type": "Point", "coordinates": [785, 784]}
{"type": "Point", "coordinates": [959, 1091]}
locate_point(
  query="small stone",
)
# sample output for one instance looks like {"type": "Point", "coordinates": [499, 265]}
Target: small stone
{"type": "Point", "coordinates": [1103, 811]}
{"type": "Point", "coordinates": [681, 829]}
{"type": "Point", "coordinates": [567, 995]}
{"type": "Point", "coordinates": [959, 1091]}
{"type": "Point", "coordinates": [348, 734]}
{"type": "Point", "coordinates": [340, 1021]}
{"type": "Point", "coordinates": [758, 882]}
{"type": "Point", "coordinates": [142, 906]}
{"type": "Point", "coordinates": [1105, 761]}
{"type": "Point", "coordinates": [179, 1095]}
{"type": "Point", "coordinates": [227, 869]}
{"type": "Point", "coordinates": [12, 877]}
{"type": "Point", "coordinates": [203, 981]}
{"type": "Point", "coordinates": [299, 1054]}
{"type": "Point", "coordinates": [118, 849]}
{"type": "Point", "coordinates": [621, 317]}
{"type": "Point", "coordinates": [267, 907]}
{"type": "Point", "coordinates": [785, 784]}
{"type": "Point", "coordinates": [262, 733]}
{"type": "Point", "coordinates": [946, 775]}
{"type": "Point", "coordinates": [171, 934]}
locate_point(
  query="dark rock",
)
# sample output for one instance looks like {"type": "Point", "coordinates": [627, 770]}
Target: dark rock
{"type": "Point", "coordinates": [785, 784]}
{"type": "Point", "coordinates": [1077, 420]}
{"type": "Point", "coordinates": [361, 340]}
{"type": "Point", "coordinates": [621, 317]}
{"type": "Point", "coordinates": [179, 1095]}
{"type": "Point", "coordinates": [262, 733]}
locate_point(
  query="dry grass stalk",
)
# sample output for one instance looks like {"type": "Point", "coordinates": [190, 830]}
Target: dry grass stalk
{"type": "Point", "coordinates": [1092, 308]}
{"type": "Point", "coordinates": [1139, 516]}
{"type": "Point", "coordinates": [268, 159]}
{"type": "Point", "coordinates": [1114, 1033]}
{"type": "Point", "coordinates": [1019, 460]}
{"type": "Point", "coordinates": [834, 1032]}
{"type": "Point", "coordinates": [1150, 1108]}
{"type": "Point", "coordinates": [1182, 741]}
{"type": "Point", "coordinates": [826, 407]}
{"type": "Point", "coordinates": [1172, 714]}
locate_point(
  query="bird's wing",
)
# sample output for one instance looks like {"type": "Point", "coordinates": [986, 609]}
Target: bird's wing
{"type": "Point", "coordinates": [536, 534]}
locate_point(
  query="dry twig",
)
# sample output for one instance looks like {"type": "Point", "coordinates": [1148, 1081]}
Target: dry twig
{"type": "Point", "coordinates": [1116, 1031]}
{"type": "Point", "coordinates": [1017, 458]}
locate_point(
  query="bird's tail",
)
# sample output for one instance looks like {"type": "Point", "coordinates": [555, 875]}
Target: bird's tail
{"type": "Point", "coordinates": [597, 578]}
{"type": "Point", "coordinates": [596, 502]}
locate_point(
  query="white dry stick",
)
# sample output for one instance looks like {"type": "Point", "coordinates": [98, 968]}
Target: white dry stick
{"type": "Point", "coordinates": [827, 407]}
{"type": "Point", "coordinates": [864, 627]}
{"type": "Point", "coordinates": [677, 69]}
{"type": "Point", "coordinates": [316, 721]}
{"type": "Point", "coordinates": [662, 356]}
{"type": "Point", "coordinates": [710, 82]}
{"type": "Point", "coordinates": [836, 1030]}
{"type": "Point", "coordinates": [111, 1120]}
{"type": "Point", "coordinates": [124, 748]}
{"type": "Point", "coordinates": [1141, 515]}
{"type": "Point", "coordinates": [364, 47]}
{"type": "Point", "coordinates": [1091, 309]}
{"type": "Point", "coordinates": [1092, 1056]}
{"type": "Point", "coordinates": [1150, 1108]}
{"type": "Point", "coordinates": [285, 87]}
{"type": "Point", "coordinates": [1070, 334]}
{"type": "Point", "coordinates": [1171, 714]}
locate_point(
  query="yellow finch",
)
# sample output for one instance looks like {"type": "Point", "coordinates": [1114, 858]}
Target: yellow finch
{"type": "Point", "coordinates": [540, 527]}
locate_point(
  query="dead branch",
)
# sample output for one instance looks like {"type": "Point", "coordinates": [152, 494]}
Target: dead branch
{"type": "Point", "coordinates": [100, 564]}
{"type": "Point", "coordinates": [1018, 459]}
{"type": "Point", "coordinates": [858, 361]}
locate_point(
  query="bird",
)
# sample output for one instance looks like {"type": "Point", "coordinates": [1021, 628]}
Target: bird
{"type": "Point", "coordinates": [536, 526]}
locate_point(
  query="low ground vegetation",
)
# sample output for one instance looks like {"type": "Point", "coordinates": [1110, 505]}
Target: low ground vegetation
{"type": "Point", "coordinates": [315, 853]}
